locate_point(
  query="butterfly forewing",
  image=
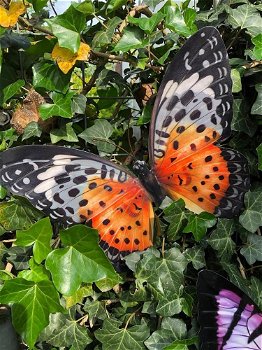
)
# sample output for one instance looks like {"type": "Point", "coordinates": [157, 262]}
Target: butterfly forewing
{"type": "Point", "coordinates": [193, 110]}
{"type": "Point", "coordinates": [229, 319]}
{"type": "Point", "coordinates": [73, 186]}
{"type": "Point", "coordinates": [195, 93]}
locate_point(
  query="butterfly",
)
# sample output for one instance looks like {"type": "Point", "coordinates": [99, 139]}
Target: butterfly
{"type": "Point", "coordinates": [228, 318]}
{"type": "Point", "coordinates": [192, 111]}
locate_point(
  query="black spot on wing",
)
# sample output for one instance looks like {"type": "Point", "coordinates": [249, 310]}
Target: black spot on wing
{"type": "Point", "coordinates": [180, 115]}
{"type": "Point", "coordinates": [167, 121]}
{"type": "Point", "coordinates": [187, 97]}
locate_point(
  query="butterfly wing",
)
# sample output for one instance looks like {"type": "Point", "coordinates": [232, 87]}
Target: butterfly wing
{"type": "Point", "coordinates": [73, 186]}
{"type": "Point", "coordinates": [193, 110]}
{"type": "Point", "coordinates": [228, 318]}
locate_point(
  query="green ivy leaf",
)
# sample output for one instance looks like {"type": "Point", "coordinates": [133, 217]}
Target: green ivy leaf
{"type": "Point", "coordinates": [10, 90]}
{"type": "Point", "coordinates": [104, 37]}
{"type": "Point", "coordinates": [145, 23]}
{"type": "Point", "coordinates": [32, 304]}
{"type": "Point", "coordinates": [99, 135]}
{"type": "Point", "coordinates": [245, 17]}
{"type": "Point", "coordinates": [196, 255]}
{"type": "Point", "coordinates": [5, 276]}
{"type": "Point", "coordinates": [67, 28]}
{"type": "Point", "coordinates": [161, 272]}
{"type": "Point", "coordinates": [188, 303]}
{"type": "Point", "coordinates": [236, 277]}
{"type": "Point", "coordinates": [113, 5]}
{"type": "Point", "coordinates": [252, 250]}
{"type": "Point", "coordinates": [152, 3]}
{"type": "Point", "coordinates": [49, 76]}
{"type": "Point", "coordinates": [36, 273]}
{"type": "Point", "coordinates": [100, 39]}
{"type": "Point", "coordinates": [212, 16]}
{"type": "Point", "coordinates": [3, 192]}
{"type": "Point", "coordinates": [106, 284]}
{"type": "Point", "coordinates": [87, 7]}
{"type": "Point", "coordinates": [256, 291]}
{"type": "Point", "coordinates": [257, 50]}
{"type": "Point", "coordinates": [259, 154]}
{"type": "Point", "coordinates": [38, 5]}
{"type": "Point", "coordinates": [108, 96]}
{"type": "Point", "coordinates": [220, 239]}
{"type": "Point", "coordinates": [32, 129]}
{"type": "Point", "coordinates": [176, 216]}
{"type": "Point", "coordinates": [171, 329]}
{"type": "Point", "coordinates": [81, 249]}
{"type": "Point", "coordinates": [175, 20]}
{"type": "Point", "coordinates": [198, 224]}
{"type": "Point", "coordinates": [19, 257]}
{"type": "Point", "coordinates": [149, 307]}
{"type": "Point", "coordinates": [2, 230]}
{"type": "Point", "coordinates": [169, 307]}
{"type": "Point", "coordinates": [164, 277]}
{"type": "Point", "coordinates": [182, 344]}
{"type": "Point", "coordinates": [38, 50]}
{"type": "Point", "coordinates": [132, 259]}
{"type": "Point", "coordinates": [241, 121]}
{"type": "Point", "coordinates": [18, 214]}
{"type": "Point", "coordinates": [190, 19]}
{"type": "Point", "coordinates": [257, 106]}
{"type": "Point", "coordinates": [14, 41]}
{"type": "Point", "coordinates": [133, 38]}
{"type": "Point", "coordinates": [145, 116]}
{"type": "Point", "coordinates": [251, 218]}
{"type": "Point", "coordinates": [39, 235]}
{"type": "Point", "coordinates": [95, 309]}
{"type": "Point", "coordinates": [114, 337]}
{"type": "Point", "coordinates": [62, 106]}
{"type": "Point", "coordinates": [236, 80]}
{"type": "Point", "coordinates": [66, 133]}
{"type": "Point", "coordinates": [79, 104]}
{"type": "Point", "coordinates": [65, 332]}
{"type": "Point", "coordinates": [7, 137]}
{"type": "Point", "coordinates": [162, 59]}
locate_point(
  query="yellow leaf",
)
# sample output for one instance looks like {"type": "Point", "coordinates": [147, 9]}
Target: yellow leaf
{"type": "Point", "coordinates": [8, 18]}
{"type": "Point", "coordinates": [83, 52]}
{"type": "Point", "coordinates": [66, 59]}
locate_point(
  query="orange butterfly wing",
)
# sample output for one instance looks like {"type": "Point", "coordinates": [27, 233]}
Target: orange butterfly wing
{"type": "Point", "coordinates": [74, 186]}
{"type": "Point", "coordinates": [192, 111]}
{"type": "Point", "coordinates": [122, 214]}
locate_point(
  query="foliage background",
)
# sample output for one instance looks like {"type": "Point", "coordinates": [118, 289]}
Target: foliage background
{"type": "Point", "coordinates": [152, 303]}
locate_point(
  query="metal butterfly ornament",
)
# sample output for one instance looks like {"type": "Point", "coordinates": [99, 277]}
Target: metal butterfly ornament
{"type": "Point", "coordinates": [229, 319]}
{"type": "Point", "coordinates": [192, 111]}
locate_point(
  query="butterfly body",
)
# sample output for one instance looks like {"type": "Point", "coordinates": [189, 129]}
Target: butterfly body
{"type": "Point", "coordinates": [229, 319]}
{"type": "Point", "coordinates": [149, 180]}
{"type": "Point", "coordinates": [192, 112]}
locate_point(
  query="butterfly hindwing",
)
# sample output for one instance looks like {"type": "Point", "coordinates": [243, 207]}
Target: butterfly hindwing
{"type": "Point", "coordinates": [213, 180]}
{"type": "Point", "coordinates": [193, 110]}
{"type": "Point", "coordinates": [73, 186]}
{"type": "Point", "coordinates": [229, 319]}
